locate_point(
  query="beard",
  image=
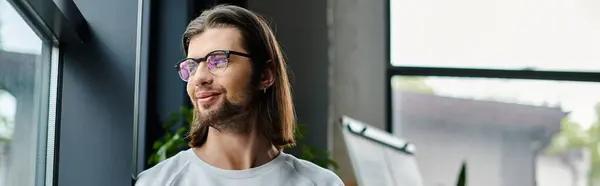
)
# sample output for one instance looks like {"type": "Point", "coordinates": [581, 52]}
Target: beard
{"type": "Point", "coordinates": [227, 116]}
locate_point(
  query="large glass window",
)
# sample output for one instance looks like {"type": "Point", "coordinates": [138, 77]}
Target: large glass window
{"type": "Point", "coordinates": [561, 35]}
{"type": "Point", "coordinates": [24, 100]}
{"type": "Point", "coordinates": [509, 132]}
{"type": "Point", "coordinates": [525, 132]}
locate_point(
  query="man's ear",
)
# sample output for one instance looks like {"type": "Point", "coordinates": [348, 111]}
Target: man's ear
{"type": "Point", "coordinates": [267, 77]}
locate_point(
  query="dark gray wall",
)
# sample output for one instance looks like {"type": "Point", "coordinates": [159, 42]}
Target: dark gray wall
{"type": "Point", "coordinates": [97, 98]}
{"type": "Point", "coordinates": [359, 61]}
{"type": "Point", "coordinates": [166, 91]}
{"type": "Point", "coordinates": [169, 24]}
{"type": "Point", "coordinates": [301, 28]}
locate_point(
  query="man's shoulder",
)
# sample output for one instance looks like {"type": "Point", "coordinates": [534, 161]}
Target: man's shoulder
{"type": "Point", "coordinates": [319, 176]}
{"type": "Point", "coordinates": [164, 172]}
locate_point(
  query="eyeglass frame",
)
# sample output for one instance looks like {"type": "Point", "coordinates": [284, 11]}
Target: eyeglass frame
{"type": "Point", "coordinates": [203, 59]}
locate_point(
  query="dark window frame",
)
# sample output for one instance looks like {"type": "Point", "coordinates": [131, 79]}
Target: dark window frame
{"type": "Point", "coordinates": [57, 23]}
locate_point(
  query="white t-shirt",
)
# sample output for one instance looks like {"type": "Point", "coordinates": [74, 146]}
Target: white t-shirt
{"type": "Point", "coordinates": [186, 169]}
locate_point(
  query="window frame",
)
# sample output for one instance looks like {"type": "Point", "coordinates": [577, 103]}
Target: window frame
{"type": "Point", "coordinates": [57, 23]}
{"type": "Point", "coordinates": [392, 71]}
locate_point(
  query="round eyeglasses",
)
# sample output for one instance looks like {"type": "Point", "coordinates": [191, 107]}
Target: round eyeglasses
{"type": "Point", "coordinates": [216, 62]}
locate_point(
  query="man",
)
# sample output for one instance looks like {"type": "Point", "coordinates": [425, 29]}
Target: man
{"type": "Point", "coordinates": [243, 111]}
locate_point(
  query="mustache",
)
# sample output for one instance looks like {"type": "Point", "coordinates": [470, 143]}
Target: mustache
{"type": "Point", "coordinates": [209, 89]}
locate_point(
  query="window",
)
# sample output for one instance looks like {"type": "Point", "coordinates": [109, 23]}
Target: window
{"type": "Point", "coordinates": [511, 88]}
{"type": "Point", "coordinates": [25, 100]}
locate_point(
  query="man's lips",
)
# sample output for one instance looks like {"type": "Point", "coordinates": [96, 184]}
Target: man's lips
{"type": "Point", "coordinates": [206, 94]}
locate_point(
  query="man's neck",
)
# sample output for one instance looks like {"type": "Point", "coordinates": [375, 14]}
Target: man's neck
{"type": "Point", "coordinates": [235, 151]}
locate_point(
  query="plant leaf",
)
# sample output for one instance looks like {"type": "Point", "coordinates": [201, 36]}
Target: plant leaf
{"type": "Point", "coordinates": [157, 144]}
{"type": "Point", "coordinates": [462, 177]}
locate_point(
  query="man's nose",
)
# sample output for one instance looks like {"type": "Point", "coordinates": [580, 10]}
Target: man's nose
{"type": "Point", "coordinates": [202, 76]}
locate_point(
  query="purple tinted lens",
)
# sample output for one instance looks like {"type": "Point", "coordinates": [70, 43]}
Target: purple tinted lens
{"type": "Point", "coordinates": [184, 70]}
{"type": "Point", "coordinates": [216, 62]}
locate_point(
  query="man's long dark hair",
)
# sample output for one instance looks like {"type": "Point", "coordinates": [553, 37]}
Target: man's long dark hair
{"type": "Point", "coordinates": [275, 110]}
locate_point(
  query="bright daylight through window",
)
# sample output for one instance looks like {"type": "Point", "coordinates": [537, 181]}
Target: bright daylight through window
{"type": "Point", "coordinates": [24, 79]}
{"type": "Point", "coordinates": [507, 131]}
{"type": "Point", "coordinates": [562, 35]}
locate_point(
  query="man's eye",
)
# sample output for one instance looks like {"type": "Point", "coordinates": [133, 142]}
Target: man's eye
{"type": "Point", "coordinates": [217, 62]}
{"type": "Point", "coordinates": [220, 63]}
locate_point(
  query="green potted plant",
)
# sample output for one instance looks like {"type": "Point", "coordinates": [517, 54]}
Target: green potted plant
{"type": "Point", "coordinates": [173, 141]}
